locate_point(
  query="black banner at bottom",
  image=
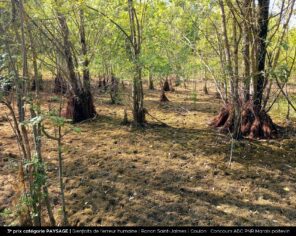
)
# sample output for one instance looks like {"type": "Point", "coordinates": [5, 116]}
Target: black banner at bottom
{"type": "Point", "coordinates": [147, 230]}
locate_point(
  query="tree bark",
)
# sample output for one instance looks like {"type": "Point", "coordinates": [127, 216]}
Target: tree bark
{"type": "Point", "coordinates": [166, 85]}
{"type": "Point", "coordinates": [263, 20]}
{"type": "Point", "coordinates": [246, 49]}
{"type": "Point", "coordinates": [151, 84]}
{"type": "Point", "coordinates": [135, 47]}
{"type": "Point", "coordinates": [68, 54]}
{"type": "Point", "coordinates": [114, 89]}
{"type": "Point", "coordinates": [80, 104]}
{"type": "Point", "coordinates": [86, 74]}
{"type": "Point", "coordinates": [138, 98]}
{"type": "Point", "coordinates": [235, 96]}
{"type": "Point", "coordinates": [62, 187]}
{"type": "Point", "coordinates": [21, 84]}
{"type": "Point", "coordinates": [37, 82]}
{"type": "Point", "coordinates": [232, 72]}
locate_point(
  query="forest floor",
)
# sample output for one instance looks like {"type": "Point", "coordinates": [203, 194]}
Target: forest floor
{"type": "Point", "coordinates": [176, 175]}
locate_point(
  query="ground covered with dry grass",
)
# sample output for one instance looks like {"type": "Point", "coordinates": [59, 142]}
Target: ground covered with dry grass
{"type": "Point", "coordinates": [163, 175]}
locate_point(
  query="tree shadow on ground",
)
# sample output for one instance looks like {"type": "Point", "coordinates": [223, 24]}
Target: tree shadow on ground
{"type": "Point", "coordinates": [129, 193]}
{"type": "Point", "coordinates": [191, 186]}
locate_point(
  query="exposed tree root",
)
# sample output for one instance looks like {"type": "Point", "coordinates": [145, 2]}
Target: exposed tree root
{"type": "Point", "coordinates": [217, 95]}
{"type": "Point", "coordinates": [163, 97]}
{"type": "Point", "coordinates": [151, 84]}
{"type": "Point", "coordinates": [255, 123]}
{"type": "Point", "coordinates": [80, 108]}
{"type": "Point", "coordinates": [205, 89]}
{"type": "Point", "coordinates": [60, 85]}
{"type": "Point", "coordinates": [114, 90]}
{"type": "Point", "coordinates": [100, 83]}
{"type": "Point", "coordinates": [166, 86]}
{"type": "Point", "coordinates": [103, 84]}
{"type": "Point", "coordinates": [33, 87]}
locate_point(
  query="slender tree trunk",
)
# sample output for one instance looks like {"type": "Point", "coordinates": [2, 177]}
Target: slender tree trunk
{"type": "Point", "coordinates": [232, 72]}
{"type": "Point", "coordinates": [205, 79]}
{"type": "Point", "coordinates": [136, 40]}
{"type": "Point", "coordinates": [60, 84]}
{"type": "Point", "coordinates": [65, 218]}
{"type": "Point", "coordinates": [37, 82]}
{"type": "Point", "coordinates": [246, 48]}
{"type": "Point", "coordinates": [86, 74]}
{"type": "Point", "coordinates": [205, 88]}
{"type": "Point", "coordinates": [235, 96]}
{"type": "Point", "coordinates": [24, 47]}
{"type": "Point", "coordinates": [138, 98]}
{"type": "Point", "coordinates": [151, 85]}
{"type": "Point", "coordinates": [229, 67]}
{"type": "Point", "coordinates": [68, 54]}
{"type": "Point", "coordinates": [253, 48]}
{"type": "Point", "coordinates": [48, 206]}
{"type": "Point", "coordinates": [263, 18]}
{"type": "Point", "coordinates": [114, 89]}
{"type": "Point", "coordinates": [34, 189]}
{"type": "Point", "coordinates": [89, 108]}
{"type": "Point", "coordinates": [21, 82]}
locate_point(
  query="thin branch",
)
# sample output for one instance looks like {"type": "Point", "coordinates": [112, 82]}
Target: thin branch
{"type": "Point", "coordinates": [112, 21]}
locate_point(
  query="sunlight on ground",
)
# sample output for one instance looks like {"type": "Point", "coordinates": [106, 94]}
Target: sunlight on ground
{"type": "Point", "coordinates": [175, 175]}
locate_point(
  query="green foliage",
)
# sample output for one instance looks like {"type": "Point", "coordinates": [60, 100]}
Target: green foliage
{"type": "Point", "coordinates": [7, 212]}
{"type": "Point", "coordinates": [280, 109]}
{"type": "Point", "coordinates": [165, 25]}
{"type": "Point", "coordinates": [282, 72]}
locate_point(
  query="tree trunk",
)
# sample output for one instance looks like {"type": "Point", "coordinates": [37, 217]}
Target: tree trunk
{"type": "Point", "coordinates": [80, 104]}
{"type": "Point", "coordinates": [86, 74]}
{"type": "Point", "coordinates": [166, 85]}
{"type": "Point", "coordinates": [151, 85]}
{"type": "Point", "coordinates": [253, 121]}
{"type": "Point", "coordinates": [114, 90]}
{"type": "Point", "coordinates": [263, 18]}
{"type": "Point", "coordinates": [62, 187]}
{"type": "Point", "coordinates": [34, 187]}
{"type": "Point", "coordinates": [138, 98]}
{"type": "Point", "coordinates": [22, 84]}
{"type": "Point", "coordinates": [67, 53]}
{"type": "Point", "coordinates": [163, 97]}
{"type": "Point", "coordinates": [80, 107]}
{"type": "Point", "coordinates": [37, 82]}
{"type": "Point", "coordinates": [60, 85]}
{"type": "Point", "coordinates": [205, 88]}
{"type": "Point", "coordinates": [235, 96]}
{"type": "Point", "coordinates": [135, 48]}
{"type": "Point", "coordinates": [246, 49]}
{"type": "Point", "coordinates": [232, 73]}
